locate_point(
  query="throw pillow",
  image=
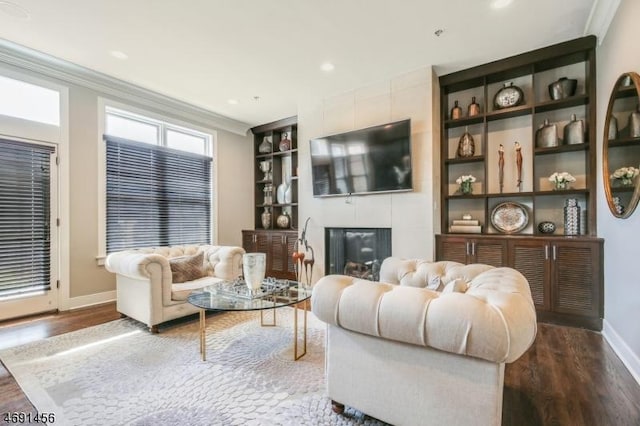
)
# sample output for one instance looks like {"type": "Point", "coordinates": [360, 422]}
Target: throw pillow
{"type": "Point", "coordinates": [187, 268]}
{"type": "Point", "coordinates": [456, 286]}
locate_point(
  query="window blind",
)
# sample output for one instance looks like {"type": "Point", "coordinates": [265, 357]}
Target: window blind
{"type": "Point", "coordinates": [156, 196]}
{"type": "Point", "coordinates": [25, 215]}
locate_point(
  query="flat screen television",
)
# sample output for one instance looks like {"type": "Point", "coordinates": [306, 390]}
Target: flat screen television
{"type": "Point", "coordinates": [375, 159]}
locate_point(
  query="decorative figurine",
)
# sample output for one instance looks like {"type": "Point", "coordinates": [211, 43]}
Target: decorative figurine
{"type": "Point", "coordinates": [501, 167]}
{"type": "Point", "coordinates": [519, 165]}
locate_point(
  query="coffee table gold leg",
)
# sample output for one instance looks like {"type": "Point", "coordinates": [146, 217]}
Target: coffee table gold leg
{"type": "Point", "coordinates": [263, 323]}
{"type": "Point", "coordinates": [297, 356]}
{"type": "Point", "coordinates": [203, 340]}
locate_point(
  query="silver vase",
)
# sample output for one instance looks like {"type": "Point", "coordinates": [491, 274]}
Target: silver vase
{"type": "Point", "coordinates": [265, 218]}
{"type": "Point", "coordinates": [571, 217]}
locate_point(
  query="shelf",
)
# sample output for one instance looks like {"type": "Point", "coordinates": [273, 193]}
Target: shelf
{"type": "Point", "coordinates": [516, 111]}
{"type": "Point", "coordinates": [623, 189]}
{"type": "Point", "coordinates": [465, 121]}
{"type": "Point", "coordinates": [510, 194]}
{"type": "Point", "coordinates": [285, 205]}
{"type": "Point", "coordinates": [465, 197]}
{"type": "Point", "coordinates": [626, 92]}
{"type": "Point", "coordinates": [474, 159]}
{"type": "Point", "coordinates": [263, 156]}
{"type": "Point", "coordinates": [624, 142]}
{"type": "Point", "coordinates": [264, 181]}
{"type": "Point", "coordinates": [562, 148]}
{"type": "Point", "coordinates": [561, 103]}
{"type": "Point", "coordinates": [562, 192]}
{"type": "Point", "coordinates": [283, 153]}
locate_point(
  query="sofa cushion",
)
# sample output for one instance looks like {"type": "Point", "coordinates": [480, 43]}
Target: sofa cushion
{"type": "Point", "coordinates": [187, 268]}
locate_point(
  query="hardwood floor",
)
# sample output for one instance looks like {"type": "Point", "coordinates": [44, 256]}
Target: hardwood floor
{"type": "Point", "coordinates": [569, 376]}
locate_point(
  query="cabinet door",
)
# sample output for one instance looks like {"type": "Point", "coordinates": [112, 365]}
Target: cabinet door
{"type": "Point", "coordinates": [489, 252]}
{"type": "Point", "coordinates": [576, 278]}
{"type": "Point", "coordinates": [454, 249]}
{"type": "Point", "coordinates": [249, 241]}
{"type": "Point", "coordinates": [531, 258]}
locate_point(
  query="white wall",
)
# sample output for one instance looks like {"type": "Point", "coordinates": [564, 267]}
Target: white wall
{"type": "Point", "coordinates": [617, 54]}
{"type": "Point", "coordinates": [410, 215]}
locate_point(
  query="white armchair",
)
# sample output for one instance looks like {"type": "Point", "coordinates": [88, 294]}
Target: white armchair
{"type": "Point", "coordinates": [144, 284]}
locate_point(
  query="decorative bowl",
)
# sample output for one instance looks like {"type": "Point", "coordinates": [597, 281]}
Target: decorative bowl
{"type": "Point", "coordinates": [563, 88]}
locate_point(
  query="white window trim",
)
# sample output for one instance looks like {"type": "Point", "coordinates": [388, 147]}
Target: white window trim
{"type": "Point", "coordinates": [170, 123]}
{"type": "Point", "coordinates": [61, 140]}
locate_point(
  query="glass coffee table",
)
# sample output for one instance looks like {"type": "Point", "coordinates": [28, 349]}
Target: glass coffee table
{"type": "Point", "coordinates": [234, 296]}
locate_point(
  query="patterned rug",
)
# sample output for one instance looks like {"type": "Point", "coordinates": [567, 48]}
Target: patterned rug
{"type": "Point", "coordinates": [119, 374]}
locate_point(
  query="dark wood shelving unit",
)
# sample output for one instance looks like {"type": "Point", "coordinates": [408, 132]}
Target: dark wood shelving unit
{"type": "Point", "coordinates": [562, 293]}
{"type": "Point", "coordinates": [278, 243]}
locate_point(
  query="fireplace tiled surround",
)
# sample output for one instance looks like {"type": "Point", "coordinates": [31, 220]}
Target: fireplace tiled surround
{"type": "Point", "coordinates": [357, 252]}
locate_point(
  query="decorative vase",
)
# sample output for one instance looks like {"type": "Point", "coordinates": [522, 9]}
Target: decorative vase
{"type": "Point", "coordinates": [547, 135]}
{"type": "Point", "coordinates": [571, 217]}
{"type": "Point", "coordinates": [560, 185]}
{"type": "Point", "coordinates": [617, 205]}
{"type": "Point", "coordinates": [282, 188]}
{"type": "Point", "coordinates": [473, 108]}
{"type": "Point", "coordinates": [265, 147]}
{"type": "Point", "coordinates": [634, 123]}
{"type": "Point", "coordinates": [546, 227]}
{"type": "Point", "coordinates": [268, 194]}
{"type": "Point", "coordinates": [574, 131]}
{"type": "Point", "coordinates": [265, 167]}
{"type": "Point", "coordinates": [284, 220]}
{"type": "Point", "coordinates": [563, 88]}
{"type": "Point", "coordinates": [265, 218]}
{"type": "Point", "coordinates": [253, 269]}
{"type": "Point", "coordinates": [288, 194]}
{"type": "Point", "coordinates": [285, 143]}
{"type": "Point", "coordinates": [613, 128]}
{"type": "Point", "coordinates": [508, 96]}
{"type": "Point", "coordinates": [466, 145]}
{"type": "Point", "coordinates": [466, 188]}
{"type": "Point", "coordinates": [456, 111]}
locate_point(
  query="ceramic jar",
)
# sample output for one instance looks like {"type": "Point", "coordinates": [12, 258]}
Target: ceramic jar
{"type": "Point", "coordinates": [456, 111]}
{"type": "Point", "coordinates": [466, 146]}
{"type": "Point", "coordinates": [284, 220]}
{"type": "Point", "coordinates": [547, 135]}
{"type": "Point", "coordinates": [574, 131]}
{"type": "Point", "coordinates": [265, 147]}
{"type": "Point", "coordinates": [563, 88]}
{"type": "Point", "coordinates": [285, 143]}
{"type": "Point", "coordinates": [546, 227]}
{"type": "Point", "coordinates": [474, 107]}
{"type": "Point", "coordinates": [634, 123]}
{"type": "Point", "coordinates": [613, 128]}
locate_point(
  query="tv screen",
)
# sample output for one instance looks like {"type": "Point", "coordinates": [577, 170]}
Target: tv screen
{"type": "Point", "coordinates": [369, 160]}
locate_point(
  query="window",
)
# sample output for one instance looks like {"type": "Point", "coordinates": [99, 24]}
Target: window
{"type": "Point", "coordinates": [25, 218]}
{"type": "Point", "coordinates": [30, 102]}
{"type": "Point", "coordinates": [158, 183]}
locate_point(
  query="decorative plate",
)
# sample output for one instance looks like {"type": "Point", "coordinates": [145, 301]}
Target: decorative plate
{"type": "Point", "coordinates": [508, 96]}
{"type": "Point", "coordinates": [509, 217]}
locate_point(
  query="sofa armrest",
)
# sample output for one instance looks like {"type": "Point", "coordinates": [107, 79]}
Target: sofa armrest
{"type": "Point", "coordinates": [225, 261]}
{"type": "Point", "coordinates": [138, 265]}
{"type": "Point", "coordinates": [494, 320]}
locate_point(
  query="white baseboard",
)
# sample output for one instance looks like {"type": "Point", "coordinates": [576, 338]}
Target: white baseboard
{"type": "Point", "coordinates": [91, 299]}
{"type": "Point", "coordinates": [629, 359]}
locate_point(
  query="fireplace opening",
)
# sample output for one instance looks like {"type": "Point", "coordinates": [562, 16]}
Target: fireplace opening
{"type": "Point", "coordinates": [357, 252]}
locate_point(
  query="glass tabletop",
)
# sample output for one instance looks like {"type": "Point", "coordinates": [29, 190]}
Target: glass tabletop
{"type": "Point", "coordinates": [218, 298]}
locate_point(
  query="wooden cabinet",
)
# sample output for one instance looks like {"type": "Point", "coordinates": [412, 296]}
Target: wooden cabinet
{"type": "Point", "coordinates": [565, 275]}
{"type": "Point", "coordinates": [490, 251]}
{"type": "Point", "coordinates": [277, 245]}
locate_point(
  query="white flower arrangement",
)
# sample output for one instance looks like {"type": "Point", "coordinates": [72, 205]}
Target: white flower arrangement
{"type": "Point", "coordinates": [626, 174]}
{"type": "Point", "coordinates": [465, 178]}
{"type": "Point", "coordinates": [562, 177]}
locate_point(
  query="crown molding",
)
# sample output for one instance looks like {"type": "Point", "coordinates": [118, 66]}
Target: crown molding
{"type": "Point", "coordinates": [600, 17]}
{"type": "Point", "coordinates": [60, 69]}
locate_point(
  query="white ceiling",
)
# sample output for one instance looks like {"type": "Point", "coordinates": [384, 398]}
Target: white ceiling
{"type": "Point", "coordinates": [206, 52]}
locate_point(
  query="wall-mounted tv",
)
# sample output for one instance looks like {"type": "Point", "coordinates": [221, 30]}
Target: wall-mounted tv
{"type": "Point", "coordinates": [375, 159]}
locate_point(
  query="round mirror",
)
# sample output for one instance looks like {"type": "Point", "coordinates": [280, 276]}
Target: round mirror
{"type": "Point", "coordinates": [621, 146]}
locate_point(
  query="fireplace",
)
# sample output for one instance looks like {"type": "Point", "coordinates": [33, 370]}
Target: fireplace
{"type": "Point", "coordinates": [357, 252]}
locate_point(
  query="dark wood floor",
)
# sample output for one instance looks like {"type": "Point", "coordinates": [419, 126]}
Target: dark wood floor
{"type": "Point", "coordinates": [569, 377]}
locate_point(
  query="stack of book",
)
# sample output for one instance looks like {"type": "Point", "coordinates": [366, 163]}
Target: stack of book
{"type": "Point", "coordinates": [465, 226]}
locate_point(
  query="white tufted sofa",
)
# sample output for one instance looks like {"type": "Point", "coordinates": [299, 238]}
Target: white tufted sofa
{"type": "Point", "coordinates": [144, 286]}
{"type": "Point", "coordinates": [420, 348]}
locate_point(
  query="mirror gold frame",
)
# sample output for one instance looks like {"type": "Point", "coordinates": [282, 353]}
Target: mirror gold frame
{"type": "Point", "coordinates": [621, 149]}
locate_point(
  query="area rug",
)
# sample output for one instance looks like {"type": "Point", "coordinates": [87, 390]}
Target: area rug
{"type": "Point", "coordinates": [117, 373]}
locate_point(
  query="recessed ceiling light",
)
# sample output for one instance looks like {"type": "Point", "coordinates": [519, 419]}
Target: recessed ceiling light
{"type": "Point", "coordinates": [327, 66]}
{"type": "Point", "coordinates": [14, 10]}
{"type": "Point", "coordinates": [119, 55]}
{"type": "Point", "coordinates": [232, 102]}
{"type": "Point", "coordinates": [499, 4]}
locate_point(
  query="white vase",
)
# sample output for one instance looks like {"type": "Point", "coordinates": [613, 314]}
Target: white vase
{"type": "Point", "coordinates": [280, 193]}
{"type": "Point", "coordinates": [288, 195]}
{"type": "Point", "coordinates": [253, 268]}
